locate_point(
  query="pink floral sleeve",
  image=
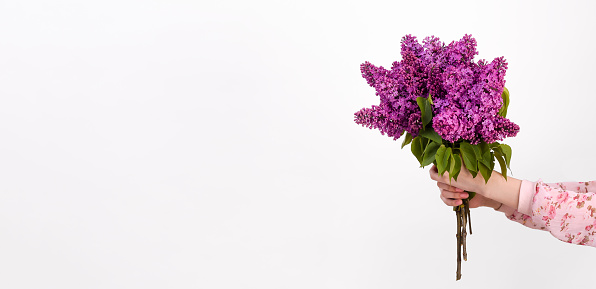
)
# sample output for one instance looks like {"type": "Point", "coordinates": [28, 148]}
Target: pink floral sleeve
{"type": "Point", "coordinates": [566, 210]}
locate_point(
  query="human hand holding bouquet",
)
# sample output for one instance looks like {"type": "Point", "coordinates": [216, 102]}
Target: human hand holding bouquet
{"type": "Point", "coordinates": [451, 109]}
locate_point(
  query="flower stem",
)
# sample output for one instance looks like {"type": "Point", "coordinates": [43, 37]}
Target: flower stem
{"type": "Point", "coordinates": [458, 237]}
{"type": "Point", "coordinates": [462, 214]}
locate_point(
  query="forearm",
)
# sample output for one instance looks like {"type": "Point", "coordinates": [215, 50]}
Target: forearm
{"type": "Point", "coordinates": [503, 191]}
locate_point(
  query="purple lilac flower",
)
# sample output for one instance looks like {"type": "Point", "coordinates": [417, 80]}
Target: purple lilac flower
{"type": "Point", "coordinates": [375, 117]}
{"type": "Point", "coordinates": [466, 95]}
{"type": "Point", "coordinates": [452, 124]}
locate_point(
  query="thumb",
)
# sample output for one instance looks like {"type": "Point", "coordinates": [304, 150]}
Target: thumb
{"type": "Point", "coordinates": [434, 174]}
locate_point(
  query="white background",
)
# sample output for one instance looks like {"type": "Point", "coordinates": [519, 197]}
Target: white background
{"type": "Point", "coordinates": [185, 144]}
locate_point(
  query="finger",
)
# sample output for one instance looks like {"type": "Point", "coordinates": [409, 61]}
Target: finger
{"type": "Point", "coordinates": [434, 174]}
{"type": "Point", "coordinates": [451, 202]}
{"type": "Point", "coordinates": [444, 186]}
{"type": "Point", "coordinates": [453, 195]}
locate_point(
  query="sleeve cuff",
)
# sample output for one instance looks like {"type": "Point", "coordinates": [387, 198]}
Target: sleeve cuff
{"type": "Point", "coordinates": [526, 194]}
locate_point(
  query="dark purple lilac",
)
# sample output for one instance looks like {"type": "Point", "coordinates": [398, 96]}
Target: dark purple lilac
{"type": "Point", "coordinates": [466, 95]}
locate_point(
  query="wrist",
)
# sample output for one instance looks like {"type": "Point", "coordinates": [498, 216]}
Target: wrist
{"type": "Point", "coordinates": [481, 186]}
{"type": "Point", "coordinates": [503, 191]}
{"type": "Point", "coordinates": [492, 204]}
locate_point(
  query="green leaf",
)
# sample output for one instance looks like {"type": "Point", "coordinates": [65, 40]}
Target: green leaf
{"type": "Point", "coordinates": [425, 110]}
{"type": "Point", "coordinates": [486, 159]}
{"type": "Point", "coordinates": [457, 169]}
{"type": "Point", "coordinates": [451, 163]}
{"type": "Point", "coordinates": [494, 145]}
{"type": "Point", "coordinates": [485, 171]}
{"type": "Point", "coordinates": [445, 160]}
{"type": "Point", "coordinates": [440, 158]}
{"type": "Point", "coordinates": [484, 147]}
{"type": "Point", "coordinates": [498, 149]}
{"type": "Point", "coordinates": [407, 140]}
{"type": "Point", "coordinates": [417, 148]}
{"type": "Point", "coordinates": [507, 153]}
{"type": "Point", "coordinates": [430, 153]}
{"type": "Point", "coordinates": [425, 142]}
{"type": "Point", "coordinates": [470, 160]}
{"type": "Point", "coordinates": [428, 113]}
{"type": "Point", "coordinates": [501, 159]}
{"type": "Point", "coordinates": [505, 96]}
{"type": "Point", "coordinates": [472, 194]}
{"type": "Point", "coordinates": [474, 173]}
{"type": "Point", "coordinates": [421, 100]}
{"type": "Point", "coordinates": [430, 133]}
{"type": "Point", "coordinates": [477, 151]}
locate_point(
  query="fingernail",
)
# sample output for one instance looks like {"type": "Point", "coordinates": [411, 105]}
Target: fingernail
{"type": "Point", "coordinates": [464, 196]}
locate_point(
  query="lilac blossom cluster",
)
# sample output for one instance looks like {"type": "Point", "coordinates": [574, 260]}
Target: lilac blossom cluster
{"type": "Point", "coordinates": [466, 95]}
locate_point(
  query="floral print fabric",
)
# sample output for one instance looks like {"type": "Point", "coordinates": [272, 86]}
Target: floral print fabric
{"type": "Point", "coordinates": [567, 210]}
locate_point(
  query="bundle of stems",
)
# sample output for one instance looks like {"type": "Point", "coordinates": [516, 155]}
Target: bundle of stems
{"type": "Point", "coordinates": [462, 213]}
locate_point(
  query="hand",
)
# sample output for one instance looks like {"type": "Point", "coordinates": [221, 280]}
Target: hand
{"type": "Point", "coordinates": [499, 189]}
{"type": "Point", "coordinates": [453, 196]}
{"type": "Point", "coordinates": [465, 180]}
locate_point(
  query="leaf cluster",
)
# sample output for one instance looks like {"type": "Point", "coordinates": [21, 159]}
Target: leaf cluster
{"type": "Point", "coordinates": [429, 148]}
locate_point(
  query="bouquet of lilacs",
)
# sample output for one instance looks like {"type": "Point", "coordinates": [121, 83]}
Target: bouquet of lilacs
{"type": "Point", "coordinates": [451, 109]}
